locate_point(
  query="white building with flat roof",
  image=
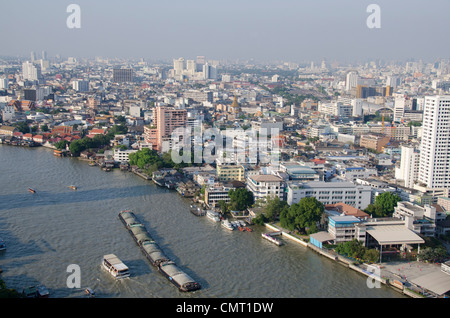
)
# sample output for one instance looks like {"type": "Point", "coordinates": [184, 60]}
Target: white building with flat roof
{"type": "Point", "coordinates": [358, 196]}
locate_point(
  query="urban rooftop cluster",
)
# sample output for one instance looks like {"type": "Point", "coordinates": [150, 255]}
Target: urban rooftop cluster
{"type": "Point", "coordinates": [368, 143]}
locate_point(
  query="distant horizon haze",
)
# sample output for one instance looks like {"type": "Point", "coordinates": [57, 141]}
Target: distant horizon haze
{"type": "Point", "coordinates": [263, 30]}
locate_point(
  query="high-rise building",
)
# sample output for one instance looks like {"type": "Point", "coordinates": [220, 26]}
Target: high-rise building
{"type": "Point", "coordinates": [4, 83]}
{"type": "Point", "coordinates": [351, 80]}
{"type": "Point", "coordinates": [31, 71]}
{"type": "Point", "coordinates": [81, 85]}
{"type": "Point", "coordinates": [409, 166]}
{"type": "Point", "coordinates": [434, 168]}
{"type": "Point", "coordinates": [179, 66]}
{"type": "Point", "coordinates": [209, 72]}
{"type": "Point", "coordinates": [122, 75]}
{"type": "Point", "coordinates": [167, 119]}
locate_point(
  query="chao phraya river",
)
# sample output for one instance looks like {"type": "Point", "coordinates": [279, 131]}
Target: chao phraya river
{"type": "Point", "coordinates": [47, 231]}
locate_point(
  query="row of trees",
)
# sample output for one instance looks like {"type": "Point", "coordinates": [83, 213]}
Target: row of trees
{"type": "Point", "coordinates": [98, 141]}
{"type": "Point", "coordinates": [303, 217]}
{"type": "Point", "coordinates": [356, 250]}
{"type": "Point", "coordinates": [149, 160]}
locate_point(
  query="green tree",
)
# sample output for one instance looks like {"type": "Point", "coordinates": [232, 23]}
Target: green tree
{"type": "Point", "coordinates": [240, 199]}
{"type": "Point", "coordinates": [23, 127]}
{"type": "Point", "coordinates": [302, 216]}
{"type": "Point", "coordinates": [387, 201]}
{"type": "Point", "coordinates": [273, 208]}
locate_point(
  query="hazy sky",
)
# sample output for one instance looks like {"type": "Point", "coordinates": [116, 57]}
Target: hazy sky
{"type": "Point", "coordinates": [289, 30]}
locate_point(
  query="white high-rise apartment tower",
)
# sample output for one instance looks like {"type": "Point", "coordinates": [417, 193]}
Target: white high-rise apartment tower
{"type": "Point", "coordinates": [31, 71]}
{"type": "Point", "coordinates": [351, 80]}
{"type": "Point", "coordinates": [434, 168]}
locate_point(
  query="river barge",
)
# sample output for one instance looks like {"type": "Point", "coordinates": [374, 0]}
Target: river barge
{"type": "Point", "coordinates": [155, 255]}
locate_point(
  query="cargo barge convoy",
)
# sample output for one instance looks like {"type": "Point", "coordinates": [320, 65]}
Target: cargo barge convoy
{"type": "Point", "coordinates": [155, 254]}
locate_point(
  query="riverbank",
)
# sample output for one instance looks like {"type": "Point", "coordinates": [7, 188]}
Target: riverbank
{"type": "Point", "coordinates": [226, 263]}
{"type": "Point", "coordinates": [395, 275]}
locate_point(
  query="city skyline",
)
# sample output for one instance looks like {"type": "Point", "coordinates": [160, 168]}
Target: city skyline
{"type": "Point", "coordinates": [264, 30]}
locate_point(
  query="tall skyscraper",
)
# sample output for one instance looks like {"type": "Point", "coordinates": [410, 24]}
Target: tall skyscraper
{"type": "Point", "coordinates": [434, 168]}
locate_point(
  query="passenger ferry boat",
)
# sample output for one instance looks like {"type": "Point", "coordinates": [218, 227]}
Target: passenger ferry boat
{"type": "Point", "coordinates": [115, 266]}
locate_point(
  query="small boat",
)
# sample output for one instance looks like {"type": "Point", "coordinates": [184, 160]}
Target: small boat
{"type": "Point", "coordinates": [227, 224]}
{"type": "Point", "coordinates": [2, 245]}
{"type": "Point", "coordinates": [213, 215]}
{"type": "Point", "coordinates": [115, 266]}
{"type": "Point", "coordinates": [248, 229]}
{"type": "Point", "coordinates": [90, 292]}
{"type": "Point", "coordinates": [42, 292]}
{"type": "Point", "coordinates": [73, 187]}
{"type": "Point", "coordinates": [31, 190]}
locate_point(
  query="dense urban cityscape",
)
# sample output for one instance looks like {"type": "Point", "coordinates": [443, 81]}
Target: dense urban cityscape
{"type": "Point", "coordinates": [240, 151]}
{"type": "Point", "coordinates": [333, 154]}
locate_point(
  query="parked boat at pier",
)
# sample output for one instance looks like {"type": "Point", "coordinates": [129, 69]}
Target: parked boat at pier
{"type": "Point", "coordinates": [213, 215]}
{"type": "Point", "coordinates": [155, 254]}
{"type": "Point", "coordinates": [270, 237]}
{"type": "Point", "coordinates": [227, 224]}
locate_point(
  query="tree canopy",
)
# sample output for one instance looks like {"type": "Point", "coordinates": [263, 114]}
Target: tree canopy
{"type": "Point", "coordinates": [384, 205]}
{"type": "Point", "coordinates": [302, 216]}
{"type": "Point", "coordinates": [240, 199]}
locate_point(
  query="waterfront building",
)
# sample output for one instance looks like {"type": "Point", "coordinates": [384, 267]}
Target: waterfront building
{"type": "Point", "coordinates": [358, 196]}
{"type": "Point", "coordinates": [342, 228]}
{"type": "Point", "coordinates": [216, 193]}
{"type": "Point", "coordinates": [122, 155]}
{"type": "Point", "coordinates": [263, 186]}
{"type": "Point", "coordinates": [7, 130]}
